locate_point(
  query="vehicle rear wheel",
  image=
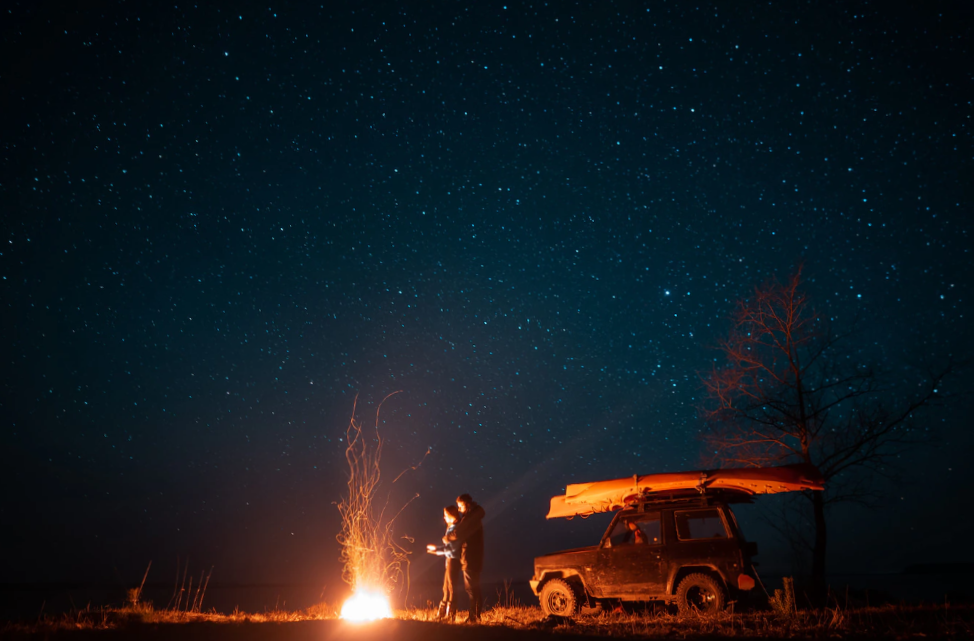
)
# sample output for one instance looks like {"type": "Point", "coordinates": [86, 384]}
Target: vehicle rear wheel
{"type": "Point", "coordinates": [559, 598]}
{"type": "Point", "coordinates": [700, 594]}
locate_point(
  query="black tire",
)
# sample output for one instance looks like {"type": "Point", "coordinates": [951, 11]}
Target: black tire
{"type": "Point", "coordinates": [700, 594]}
{"type": "Point", "coordinates": [559, 599]}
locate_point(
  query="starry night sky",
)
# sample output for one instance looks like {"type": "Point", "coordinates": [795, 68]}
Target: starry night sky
{"type": "Point", "coordinates": [221, 224]}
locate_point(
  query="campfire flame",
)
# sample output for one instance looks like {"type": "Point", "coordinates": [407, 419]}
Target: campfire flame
{"type": "Point", "coordinates": [366, 605]}
{"type": "Point", "coordinates": [373, 561]}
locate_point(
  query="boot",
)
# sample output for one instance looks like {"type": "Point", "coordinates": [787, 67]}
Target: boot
{"type": "Point", "coordinates": [474, 616]}
{"type": "Point", "coordinates": [450, 615]}
{"type": "Point", "coordinates": [442, 611]}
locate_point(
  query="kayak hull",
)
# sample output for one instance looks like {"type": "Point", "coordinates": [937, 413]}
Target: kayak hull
{"type": "Point", "coordinates": [581, 499]}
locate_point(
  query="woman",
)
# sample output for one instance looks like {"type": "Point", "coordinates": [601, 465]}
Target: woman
{"type": "Point", "coordinates": [451, 550]}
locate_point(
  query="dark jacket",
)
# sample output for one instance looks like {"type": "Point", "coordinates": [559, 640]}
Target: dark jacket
{"type": "Point", "coordinates": [469, 531]}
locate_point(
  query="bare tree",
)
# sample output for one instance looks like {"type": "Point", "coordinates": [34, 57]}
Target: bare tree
{"type": "Point", "coordinates": [791, 391]}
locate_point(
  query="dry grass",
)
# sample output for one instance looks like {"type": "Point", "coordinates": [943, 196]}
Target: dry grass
{"type": "Point", "coordinates": [108, 618]}
{"type": "Point", "coordinates": [886, 622]}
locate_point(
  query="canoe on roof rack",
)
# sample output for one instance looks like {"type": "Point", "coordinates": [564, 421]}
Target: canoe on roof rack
{"type": "Point", "coordinates": [582, 499]}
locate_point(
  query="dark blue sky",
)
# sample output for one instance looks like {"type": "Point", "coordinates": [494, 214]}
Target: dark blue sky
{"type": "Point", "coordinates": [220, 225]}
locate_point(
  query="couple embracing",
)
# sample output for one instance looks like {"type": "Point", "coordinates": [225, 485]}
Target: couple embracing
{"type": "Point", "coordinates": [463, 547]}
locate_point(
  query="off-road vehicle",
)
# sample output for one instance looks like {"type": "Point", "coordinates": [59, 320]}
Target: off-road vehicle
{"type": "Point", "coordinates": [674, 539]}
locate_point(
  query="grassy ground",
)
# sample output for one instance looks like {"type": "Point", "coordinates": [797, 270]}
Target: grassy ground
{"type": "Point", "coordinates": [894, 622]}
{"type": "Point", "coordinates": [520, 622]}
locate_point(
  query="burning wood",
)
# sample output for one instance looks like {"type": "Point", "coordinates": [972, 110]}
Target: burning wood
{"type": "Point", "coordinates": [366, 605]}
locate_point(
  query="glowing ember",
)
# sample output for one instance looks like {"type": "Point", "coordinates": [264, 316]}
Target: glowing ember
{"type": "Point", "coordinates": [366, 605]}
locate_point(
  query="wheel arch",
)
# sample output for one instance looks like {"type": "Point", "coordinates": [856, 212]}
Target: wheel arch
{"type": "Point", "coordinates": [674, 581]}
{"type": "Point", "coordinates": [572, 575]}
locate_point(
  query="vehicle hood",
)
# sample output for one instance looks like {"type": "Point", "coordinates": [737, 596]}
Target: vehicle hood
{"type": "Point", "coordinates": [566, 557]}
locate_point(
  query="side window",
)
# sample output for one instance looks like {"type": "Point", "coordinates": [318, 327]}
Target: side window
{"type": "Point", "coordinates": [700, 524]}
{"type": "Point", "coordinates": [636, 531]}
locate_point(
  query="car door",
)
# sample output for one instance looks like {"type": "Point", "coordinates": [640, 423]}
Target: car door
{"type": "Point", "coordinates": [629, 559]}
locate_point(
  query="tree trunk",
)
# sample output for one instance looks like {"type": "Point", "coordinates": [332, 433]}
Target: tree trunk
{"type": "Point", "coordinates": [818, 553]}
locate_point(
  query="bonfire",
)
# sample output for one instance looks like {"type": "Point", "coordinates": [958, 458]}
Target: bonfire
{"type": "Point", "coordinates": [374, 564]}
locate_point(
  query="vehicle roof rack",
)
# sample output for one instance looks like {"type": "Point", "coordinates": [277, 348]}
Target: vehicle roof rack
{"type": "Point", "coordinates": [687, 498]}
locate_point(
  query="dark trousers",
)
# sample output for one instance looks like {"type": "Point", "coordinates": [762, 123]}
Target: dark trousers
{"type": "Point", "coordinates": [451, 578]}
{"type": "Point", "coordinates": [471, 582]}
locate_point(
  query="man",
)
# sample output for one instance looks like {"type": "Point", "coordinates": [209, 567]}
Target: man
{"type": "Point", "coordinates": [638, 536]}
{"type": "Point", "coordinates": [469, 532]}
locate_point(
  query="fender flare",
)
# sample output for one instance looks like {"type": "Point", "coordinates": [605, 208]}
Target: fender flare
{"type": "Point", "coordinates": [683, 570]}
{"type": "Point", "coordinates": [564, 573]}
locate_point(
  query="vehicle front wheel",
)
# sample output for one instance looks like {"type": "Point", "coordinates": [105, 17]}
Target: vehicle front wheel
{"type": "Point", "coordinates": [699, 594]}
{"type": "Point", "coordinates": [559, 598]}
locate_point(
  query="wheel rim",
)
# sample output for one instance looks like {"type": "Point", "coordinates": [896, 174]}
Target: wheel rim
{"type": "Point", "coordinates": [557, 602]}
{"type": "Point", "coordinates": [701, 599]}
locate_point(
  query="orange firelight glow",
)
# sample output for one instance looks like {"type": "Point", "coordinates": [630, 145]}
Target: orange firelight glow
{"type": "Point", "coordinates": [366, 605]}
